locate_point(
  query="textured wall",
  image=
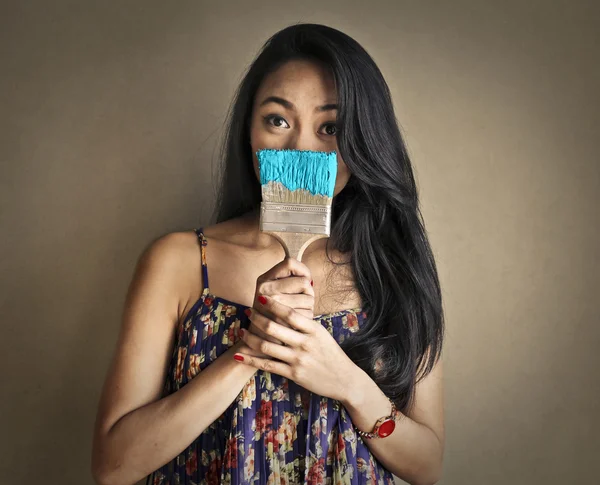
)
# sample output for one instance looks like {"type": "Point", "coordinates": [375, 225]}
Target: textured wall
{"type": "Point", "coordinates": [111, 112]}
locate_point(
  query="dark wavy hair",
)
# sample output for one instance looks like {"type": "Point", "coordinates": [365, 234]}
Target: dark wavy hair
{"type": "Point", "coordinates": [376, 218]}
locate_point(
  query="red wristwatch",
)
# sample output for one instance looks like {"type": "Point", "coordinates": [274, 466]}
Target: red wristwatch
{"type": "Point", "coordinates": [384, 426]}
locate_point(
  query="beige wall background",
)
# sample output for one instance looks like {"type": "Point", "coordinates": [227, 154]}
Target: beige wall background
{"type": "Point", "coordinates": [110, 116]}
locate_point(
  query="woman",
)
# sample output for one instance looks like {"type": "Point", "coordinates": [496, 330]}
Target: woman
{"type": "Point", "coordinates": [284, 371]}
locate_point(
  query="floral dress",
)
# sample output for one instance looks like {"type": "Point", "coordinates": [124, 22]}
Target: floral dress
{"type": "Point", "coordinates": [275, 432]}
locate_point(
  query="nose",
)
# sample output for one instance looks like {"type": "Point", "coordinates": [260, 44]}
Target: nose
{"type": "Point", "coordinates": [303, 139]}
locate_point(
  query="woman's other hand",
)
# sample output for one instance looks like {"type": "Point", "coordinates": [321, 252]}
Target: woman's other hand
{"type": "Point", "coordinates": [289, 283]}
{"type": "Point", "coordinates": [308, 354]}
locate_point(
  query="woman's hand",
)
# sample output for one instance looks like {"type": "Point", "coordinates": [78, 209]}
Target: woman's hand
{"type": "Point", "coordinates": [308, 355]}
{"type": "Point", "coordinates": [290, 283]}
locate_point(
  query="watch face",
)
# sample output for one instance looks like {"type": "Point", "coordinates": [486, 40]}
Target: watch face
{"type": "Point", "coordinates": [386, 428]}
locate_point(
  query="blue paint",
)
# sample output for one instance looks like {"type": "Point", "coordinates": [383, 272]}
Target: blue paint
{"type": "Point", "coordinates": [299, 169]}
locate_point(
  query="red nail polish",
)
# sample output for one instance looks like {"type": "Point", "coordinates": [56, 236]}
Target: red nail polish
{"type": "Point", "coordinates": [311, 283]}
{"type": "Point", "coordinates": [242, 332]}
{"type": "Point", "coordinates": [248, 312]}
{"type": "Point", "coordinates": [262, 299]}
{"type": "Point", "coordinates": [238, 357]}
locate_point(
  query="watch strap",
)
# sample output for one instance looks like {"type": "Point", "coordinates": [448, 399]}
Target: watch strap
{"type": "Point", "coordinates": [374, 433]}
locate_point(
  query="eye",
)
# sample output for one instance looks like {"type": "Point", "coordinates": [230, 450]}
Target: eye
{"type": "Point", "coordinates": [271, 117]}
{"type": "Point", "coordinates": [334, 126]}
{"type": "Point", "coordinates": [268, 118]}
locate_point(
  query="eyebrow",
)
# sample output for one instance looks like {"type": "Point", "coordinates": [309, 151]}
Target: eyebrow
{"type": "Point", "coordinates": [288, 105]}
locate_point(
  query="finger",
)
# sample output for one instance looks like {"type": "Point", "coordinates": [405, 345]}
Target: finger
{"type": "Point", "coordinates": [254, 329]}
{"type": "Point", "coordinates": [267, 348]}
{"type": "Point", "coordinates": [296, 301]}
{"type": "Point", "coordinates": [290, 285]}
{"type": "Point", "coordinates": [242, 347]}
{"type": "Point", "coordinates": [287, 267]}
{"type": "Point", "coordinates": [281, 330]}
{"type": "Point", "coordinates": [257, 331]}
{"type": "Point", "coordinates": [285, 314]}
{"type": "Point", "coordinates": [268, 365]}
{"type": "Point", "coordinates": [307, 313]}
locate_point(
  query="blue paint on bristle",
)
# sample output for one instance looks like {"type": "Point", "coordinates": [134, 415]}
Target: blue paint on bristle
{"type": "Point", "coordinates": [299, 169]}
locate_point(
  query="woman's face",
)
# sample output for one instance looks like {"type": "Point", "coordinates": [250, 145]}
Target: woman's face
{"type": "Point", "coordinates": [286, 114]}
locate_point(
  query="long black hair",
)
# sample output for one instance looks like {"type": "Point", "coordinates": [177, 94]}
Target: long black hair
{"type": "Point", "coordinates": [376, 218]}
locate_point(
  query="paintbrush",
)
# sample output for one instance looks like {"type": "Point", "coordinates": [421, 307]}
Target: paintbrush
{"type": "Point", "coordinates": [297, 192]}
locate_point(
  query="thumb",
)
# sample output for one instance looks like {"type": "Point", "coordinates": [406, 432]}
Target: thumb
{"type": "Point", "coordinates": [243, 348]}
{"type": "Point", "coordinates": [306, 312]}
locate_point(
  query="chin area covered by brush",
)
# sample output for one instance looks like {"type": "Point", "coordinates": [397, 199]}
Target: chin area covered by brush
{"type": "Point", "coordinates": [297, 192]}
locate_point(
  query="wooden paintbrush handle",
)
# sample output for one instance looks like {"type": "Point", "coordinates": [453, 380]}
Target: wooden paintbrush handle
{"type": "Point", "coordinates": [295, 243]}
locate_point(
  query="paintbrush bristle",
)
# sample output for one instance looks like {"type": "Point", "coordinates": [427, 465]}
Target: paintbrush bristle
{"type": "Point", "coordinates": [309, 173]}
{"type": "Point", "coordinates": [297, 189]}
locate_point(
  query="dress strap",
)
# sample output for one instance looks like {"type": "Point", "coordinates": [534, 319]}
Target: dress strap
{"type": "Point", "coordinates": [203, 244]}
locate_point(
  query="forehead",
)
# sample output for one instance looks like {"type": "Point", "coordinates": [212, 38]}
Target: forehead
{"type": "Point", "coordinates": [299, 81]}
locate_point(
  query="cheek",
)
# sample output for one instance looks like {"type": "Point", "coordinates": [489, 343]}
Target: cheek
{"type": "Point", "coordinates": [255, 164]}
{"type": "Point", "coordinates": [342, 177]}
{"type": "Point", "coordinates": [255, 144]}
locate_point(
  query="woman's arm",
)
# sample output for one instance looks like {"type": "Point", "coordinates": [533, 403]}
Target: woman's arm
{"type": "Point", "coordinates": [136, 432]}
{"type": "Point", "coordinates": [414, 451]}
{"type": "Point", "coordinates": [314, 360]}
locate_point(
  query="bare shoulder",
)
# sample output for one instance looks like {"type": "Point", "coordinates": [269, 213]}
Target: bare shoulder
{"type": "Point", "coordinates": [177, 256]}
{"type": "Point", "coordinates": [173, 261]}
{"type": "Point", "coordinates": [236, 233]}
{"type": "Point", "coordinates": [226, 258]}
{"type": "Point", "coordinates": [171, 251]}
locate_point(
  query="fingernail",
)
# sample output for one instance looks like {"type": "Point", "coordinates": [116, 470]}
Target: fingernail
{"type": "Point", "coordinates": [248, 312]}
{"type": "Point", "coordinates": [262, 299]}
{"type": "Point", "coordinates": [238, 358]}
{"type": "Point", "coordinates": [242, 332]}
{"type": "Point", "coordinates": [311, 283]}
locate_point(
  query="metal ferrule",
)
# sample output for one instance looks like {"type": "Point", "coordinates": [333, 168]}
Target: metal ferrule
{"type": "Point", "coordinates": [306, 218]}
